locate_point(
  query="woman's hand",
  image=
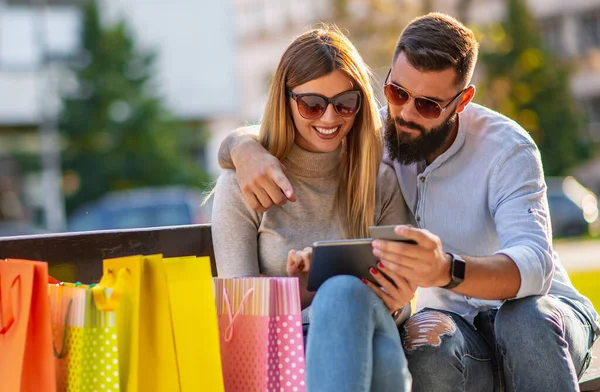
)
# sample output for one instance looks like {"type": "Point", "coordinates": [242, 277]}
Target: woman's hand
{"type": "Point", "coordinates": [396, 292]}
{"type": "Point", "coordinates": [298, 263]}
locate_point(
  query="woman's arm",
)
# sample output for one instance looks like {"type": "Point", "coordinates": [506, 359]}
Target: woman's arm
{"type": "Point", "coordinates": [234, 230]}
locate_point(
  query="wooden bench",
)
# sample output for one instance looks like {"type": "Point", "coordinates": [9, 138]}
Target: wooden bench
{"type": "Point", "coordinates": [78, 257]}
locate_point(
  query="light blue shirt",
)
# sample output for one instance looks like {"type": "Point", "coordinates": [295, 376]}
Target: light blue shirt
{"type": "Point", "coordinates": [487, 195]}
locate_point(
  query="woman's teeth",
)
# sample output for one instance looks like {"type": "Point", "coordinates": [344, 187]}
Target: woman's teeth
{"type": "Point", "coordinates": [327, 131]}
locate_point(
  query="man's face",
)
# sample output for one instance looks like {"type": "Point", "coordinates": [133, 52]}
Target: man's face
{"type": "Point", "coordinates": [410, 137]}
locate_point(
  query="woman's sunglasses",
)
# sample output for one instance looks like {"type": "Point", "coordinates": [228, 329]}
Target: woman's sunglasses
{"type": "Point", "coordinates": [399, 96]}
{"type": "Point", "coordinates": [312, 106]}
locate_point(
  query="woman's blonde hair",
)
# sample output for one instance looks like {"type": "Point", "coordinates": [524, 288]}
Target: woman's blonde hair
{"type": "Point", "coordinates": [314, 54]}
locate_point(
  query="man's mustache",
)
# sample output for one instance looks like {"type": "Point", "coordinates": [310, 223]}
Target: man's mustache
{"type": "Point", "coordinates": [407, 124]}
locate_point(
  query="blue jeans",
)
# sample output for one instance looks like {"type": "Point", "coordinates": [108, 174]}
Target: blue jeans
{"type": "Point", "coordinates": [539, 343]}
{"type": "Point", "coordinates": [353, 344]}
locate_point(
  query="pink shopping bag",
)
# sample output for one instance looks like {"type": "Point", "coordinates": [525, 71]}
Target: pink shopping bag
{"type": "Point", "coordinates": [260, 328]}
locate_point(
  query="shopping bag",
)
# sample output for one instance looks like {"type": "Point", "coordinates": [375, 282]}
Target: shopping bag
{"type": "Point", "coordinates": [195, 327]}
{"type": "Point", "coordinates": [26, 360]}
{"type": "Point", "coordinates": [67, 328]}
{"type": "Point", "coordinates": [143, 318]}
{"type": "Point", "coordinates": [86, 347]}
{"type": "Point", "coordinates": [260, 328]}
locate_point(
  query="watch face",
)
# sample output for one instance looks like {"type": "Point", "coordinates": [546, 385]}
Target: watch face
{"type": "Point", "coordinates": [458, 269]}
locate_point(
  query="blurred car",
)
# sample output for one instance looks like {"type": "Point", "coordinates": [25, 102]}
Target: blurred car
{"type": "Point", "coordinates": [13, 228]}
{"type": "Point", "coordinates": [144, 207]}
{"type": "Point", "coordinates": [573, 208]}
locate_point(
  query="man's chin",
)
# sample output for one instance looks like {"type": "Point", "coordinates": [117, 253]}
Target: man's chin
{"type": "Point", "coordinates": [407, 137]}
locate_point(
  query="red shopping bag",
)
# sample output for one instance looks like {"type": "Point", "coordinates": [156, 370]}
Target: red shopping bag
{"type": "Point", "coordinates": [26, 356]}
{"type": "Point", "coordinates": [260, 327]}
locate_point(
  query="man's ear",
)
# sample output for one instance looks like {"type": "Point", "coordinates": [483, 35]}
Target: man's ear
{"type": "Point", "coordinates": [466, 98]}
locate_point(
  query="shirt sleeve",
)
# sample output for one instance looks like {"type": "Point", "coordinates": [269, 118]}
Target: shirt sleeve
{"type": "Point", "coordinates": [234, 230]}
{"type": "Point", "coordinates": [519, 206]}
{"type": "Point", "coordinates": [392, 209]}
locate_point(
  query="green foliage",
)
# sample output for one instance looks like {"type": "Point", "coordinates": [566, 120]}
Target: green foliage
{"type": "Point", "coordinates": [529, 85]}
{"type": "Point", "coordinates": [117, 133]}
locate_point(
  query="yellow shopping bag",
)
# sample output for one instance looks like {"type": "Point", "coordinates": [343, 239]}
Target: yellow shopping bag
{"type": "Point", "coordinates": [145, 335]}
{"type": "Point", "coordinates": [195, 326]}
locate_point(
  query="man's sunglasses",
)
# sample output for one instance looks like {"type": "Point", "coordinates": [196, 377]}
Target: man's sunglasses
{"type": "Point", "coordinates": [428, 108]}
{"type": "Point", "coordinates": [312, 106]}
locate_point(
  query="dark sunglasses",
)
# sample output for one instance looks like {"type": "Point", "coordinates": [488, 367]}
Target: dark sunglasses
{"type": "Point", "coordinates": [311, 106]}
{"type": "Point", "coordinates": [428, 108]}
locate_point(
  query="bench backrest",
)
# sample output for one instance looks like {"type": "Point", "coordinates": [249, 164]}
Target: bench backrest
{"type": "Point", "coordinates": [78, 256]}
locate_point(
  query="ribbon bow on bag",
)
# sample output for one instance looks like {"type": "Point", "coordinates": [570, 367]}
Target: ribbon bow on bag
{"type": "Point", "coordinates": [232, 317]}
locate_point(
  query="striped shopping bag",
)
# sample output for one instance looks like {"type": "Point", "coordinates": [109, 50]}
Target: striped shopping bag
{"type": "Point", "coordinates": [260, 328]}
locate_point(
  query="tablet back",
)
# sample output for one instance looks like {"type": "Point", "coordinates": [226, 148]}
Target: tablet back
{"type": "Point", "coordinates": [340, 257]}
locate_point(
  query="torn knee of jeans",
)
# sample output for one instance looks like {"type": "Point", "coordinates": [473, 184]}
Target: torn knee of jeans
{"type": "Point", "coordinates": [426, 329]}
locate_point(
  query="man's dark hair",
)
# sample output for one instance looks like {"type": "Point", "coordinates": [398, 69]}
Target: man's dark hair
{"type": "Point", "coordinates": [435, 42]}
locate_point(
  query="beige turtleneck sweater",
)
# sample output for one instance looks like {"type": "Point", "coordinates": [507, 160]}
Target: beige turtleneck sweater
{"type": "Point", "coordinates": [249, 243]}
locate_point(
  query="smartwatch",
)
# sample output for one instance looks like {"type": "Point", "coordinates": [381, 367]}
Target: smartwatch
{"type": "Point", "coordinates": [457, 271]}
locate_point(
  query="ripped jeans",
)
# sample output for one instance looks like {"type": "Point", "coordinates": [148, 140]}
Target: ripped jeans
{"type": "Point", "coordinates": [539, 343]}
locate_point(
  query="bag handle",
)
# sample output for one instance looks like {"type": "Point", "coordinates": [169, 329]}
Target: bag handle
{"type": "Point", "coordinates": [110, 281]}
{"type": "Point", "coordinates": [232, 317]}
{"type": "Point", "coordinates": [60, 354]}
{"type": "Point", "coordinates": [7, 319]}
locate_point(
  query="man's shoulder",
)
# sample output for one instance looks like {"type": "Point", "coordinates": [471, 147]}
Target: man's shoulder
{"type": "Point", "coordinates": [490, 127]}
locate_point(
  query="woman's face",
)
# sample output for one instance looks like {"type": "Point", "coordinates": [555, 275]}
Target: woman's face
{"type": "Point", "coordinates": [325, 133]}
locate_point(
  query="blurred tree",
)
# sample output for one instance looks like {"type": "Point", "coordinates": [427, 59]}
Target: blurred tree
{"type": "Point", "coordinates": [117, 133]}
{"type": "Point", "coordinates": [529, 85]}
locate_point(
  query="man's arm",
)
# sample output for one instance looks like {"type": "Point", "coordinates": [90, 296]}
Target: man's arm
{"type": "Point", "coordinates": [235, 255]}
{"type": "Point", "coordinates": [427, 265]}
{"type": "Point", "coordinates": [259, 174]}
{"type": "Point", "coordinates": [524, 263]}
{"type": "Point", "coordinates": [239, 137]}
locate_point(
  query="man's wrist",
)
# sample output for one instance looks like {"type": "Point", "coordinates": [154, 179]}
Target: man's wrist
{"type": "Point", "coordinates": [457, 271]}
{"type": "Point", "coordinates": [234, 149]}
{"type": "Point", "coordinates": [446, 278]}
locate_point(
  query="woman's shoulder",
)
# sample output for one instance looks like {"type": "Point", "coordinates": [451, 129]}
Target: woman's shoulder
{"type": "Point", "coordinates": [227, 186]}
{"type": "Point", "coordinates": [227, 179]}
{"type": "Point", "coordinates": [387, 183]}
{"type": "Point", "coordinates": [391, 207]}
{"type": "Point", "coordinates": [386, 175]}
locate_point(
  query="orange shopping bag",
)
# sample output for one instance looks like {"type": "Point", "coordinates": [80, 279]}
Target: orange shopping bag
{"type": "Point", "coordinates": [26, 357]}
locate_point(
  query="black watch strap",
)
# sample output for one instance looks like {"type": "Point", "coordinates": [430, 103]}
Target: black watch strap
{"type": "Point", "coordinates": [457, 271]}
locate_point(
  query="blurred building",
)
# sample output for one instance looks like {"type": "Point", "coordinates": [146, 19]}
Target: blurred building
{"type": "Point", "coordinates": [264, 29]}
{"type": "Point", "coordinates": [216, 58]}
{"type": "Point", "coordinates": [197, 76]}
{"type": "Point", "coordinates": [571, 30]}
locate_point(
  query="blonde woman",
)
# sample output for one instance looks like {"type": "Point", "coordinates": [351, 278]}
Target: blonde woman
{"type": "Point", "coordinates": [321, 121]}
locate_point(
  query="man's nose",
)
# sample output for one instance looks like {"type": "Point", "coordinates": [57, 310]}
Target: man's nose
{"type": "Point", "coordinates": [409, 111]}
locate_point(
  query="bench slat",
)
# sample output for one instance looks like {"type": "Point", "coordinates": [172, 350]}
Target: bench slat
{"type": "Point", "coordinates": [78, 256]}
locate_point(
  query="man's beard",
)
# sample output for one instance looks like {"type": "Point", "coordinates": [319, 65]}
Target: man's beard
{"type": "Point", "coordinates": [405, 150]}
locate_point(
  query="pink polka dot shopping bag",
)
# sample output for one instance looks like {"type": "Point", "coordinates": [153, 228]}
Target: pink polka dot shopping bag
{"type": "Point", "coordinates": [261, 339]}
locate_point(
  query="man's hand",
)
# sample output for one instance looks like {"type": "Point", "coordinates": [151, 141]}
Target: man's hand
{"type": "Point", "coordinates": [396, 292]}
{"type": "Point", "coordinates": [299, 262]}
{"type": "Point", "coordinates": [424, 264]}
{"type": "Point", "coordinates": [261, 176]}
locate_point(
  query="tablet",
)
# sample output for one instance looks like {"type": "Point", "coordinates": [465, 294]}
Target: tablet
{"type": "Point", "coordinates": [387, 233]}
{"type": "Point", "coordinates": [340, 257]}
{"type": "Point", "coordinates": [348, 257]}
